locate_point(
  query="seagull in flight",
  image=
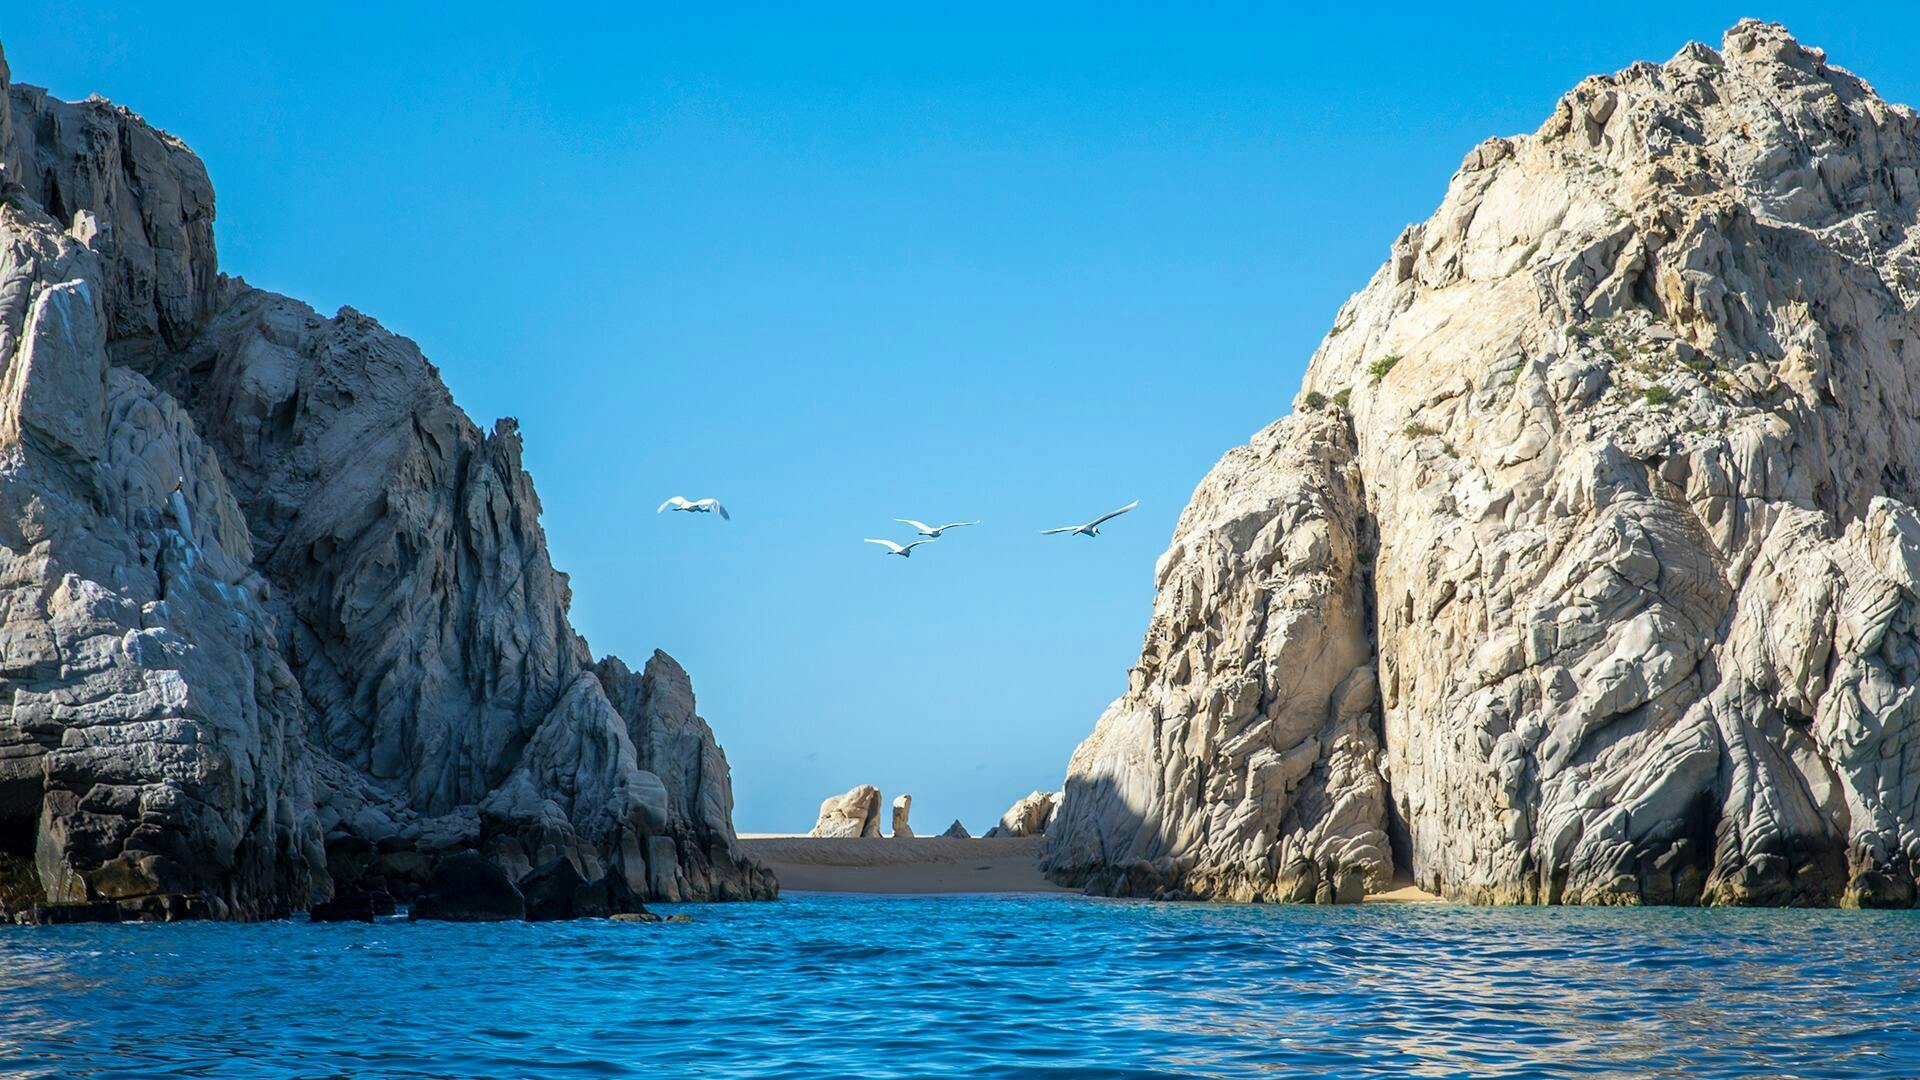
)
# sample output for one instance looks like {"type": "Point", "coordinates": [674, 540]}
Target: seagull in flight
{"type": "Point", "coordinates": [932, 531]}
{"type": "Point", "coordinates": [695, 506]}
{"type": "Point", "coordinates": [1091, 528]}
{"type": "Point", "coordinates": [896, 549]}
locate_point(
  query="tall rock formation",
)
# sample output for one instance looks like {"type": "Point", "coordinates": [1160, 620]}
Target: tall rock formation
{"type": "Point", "coordinates": [275, 616]}
{"type": "Point", "coordinates": [1587, 568]}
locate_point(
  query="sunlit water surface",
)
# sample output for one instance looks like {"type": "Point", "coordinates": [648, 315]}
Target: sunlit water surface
{"type": "Point", "coordinates": [904, 986]}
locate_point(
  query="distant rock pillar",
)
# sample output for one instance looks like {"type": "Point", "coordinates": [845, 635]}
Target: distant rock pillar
{"type": "Point", "coordinates": [901, 805]}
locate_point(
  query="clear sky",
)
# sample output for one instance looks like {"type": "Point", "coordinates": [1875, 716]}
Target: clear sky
{"type": "Point", "coordinates": [895, 262]}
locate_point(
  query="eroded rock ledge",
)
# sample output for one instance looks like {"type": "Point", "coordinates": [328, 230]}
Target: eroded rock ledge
{"type": "Point", "coordinates": [1586, 569]}
{"type": "Point", "coordinates": [276, 618]}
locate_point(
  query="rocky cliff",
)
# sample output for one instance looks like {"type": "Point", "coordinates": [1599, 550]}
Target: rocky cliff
{"type": "Point", "coordinates": [1587, 567]}
{"type": "Point", "coordinates": [276, 617]}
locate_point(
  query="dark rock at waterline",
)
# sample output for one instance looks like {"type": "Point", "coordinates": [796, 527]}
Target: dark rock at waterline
{"type": "Point", "coordinates": [157, 907]}
{"type": "Point", "coordinates": [97, 911]}
{"type": "Point", "coordinates": [553, 891]}
{"type": "Point", "coordinates": [168, 907]}
{"type": "Point", "coordinates": [357, 906]}
{"type": "Point", "coordinates": [557, 891]}
{"type": "Point", "coordinates": [620, 899]}
{"type": "Point", "coordinates": [468, 888]}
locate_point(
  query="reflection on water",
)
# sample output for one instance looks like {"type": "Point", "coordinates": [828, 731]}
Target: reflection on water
{"type": "Point", "coordinates": [878, 986]}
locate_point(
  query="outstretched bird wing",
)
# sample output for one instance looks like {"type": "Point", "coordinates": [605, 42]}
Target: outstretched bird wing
{"type": "Point", "coordinates": [1061, 529]}
{"type": "Point", "coordinates": [1109, 517]}
{"type": "Point", "coordinates": [916, 544]}
{"type": "Point", "coordinates": [888, 544]}
{"type": "Point", "coordinates": [675, 502]}
{"type": "Point", "coordinates": [918, 526]}
{"type": "Point", "coordinates": [955, 525]}
{"type": "Point", "coordinates": [715, 503]}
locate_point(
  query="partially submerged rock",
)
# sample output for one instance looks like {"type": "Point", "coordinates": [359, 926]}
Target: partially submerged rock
{"type": "Point", "coordinates": [468, 888]}
{"type": "Point", "coordinates": [857, 813]}
{"type": "Point", "coordinates": [557, 891]}
{"type": "Point", "coordinates": [354, 906]}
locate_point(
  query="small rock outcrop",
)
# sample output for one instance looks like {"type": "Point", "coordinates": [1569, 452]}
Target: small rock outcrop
{"type": "Point", "coordinates": [902, 806]}
{"type": "Point", "coordinates": [1587, 567]}
{"type": "Point", "coordinates": [957, 831]}
{"type": "Point", "coordinates": [857, 813]}
{"type": "Point", "coordinates": [277, 620]}
{"type": "Point", "coordinates": [1028, 817]}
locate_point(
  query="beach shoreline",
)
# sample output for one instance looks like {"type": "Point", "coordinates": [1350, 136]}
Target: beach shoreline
{"type": "Point", "coordinates": [930, 865]}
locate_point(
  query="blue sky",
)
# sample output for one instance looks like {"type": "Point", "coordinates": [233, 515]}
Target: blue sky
{"type": "Point", "coordinates": [893, 262]}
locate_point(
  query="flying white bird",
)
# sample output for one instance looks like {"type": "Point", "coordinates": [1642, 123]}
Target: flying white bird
{"type": "Point", "coordinates": [896, 549]}
{"type": "Point", "coordinates": [933, 531]}
{"type": "Point", "coordinates": [695, 506]}
{"type": "Point", "coordinates": [1091, 528]}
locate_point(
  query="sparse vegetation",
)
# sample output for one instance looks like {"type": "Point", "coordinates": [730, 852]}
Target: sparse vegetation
{"type": "Point", "coordinates": [1657, 394]}
{"type": "Point", "coordinates": [1417, 430]}
{"type": "Point", "coordinates": [1340, 398]}
{"type": "Point", "coordinates": [1379, 368]}
{"type": "Point", "coordinates": [1316, 400]}
{"type": "Point", "coordinates": [19, 884]}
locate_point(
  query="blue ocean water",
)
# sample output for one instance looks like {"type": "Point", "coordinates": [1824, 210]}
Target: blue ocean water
{"type": "Point", "coordinates": [818, 985]}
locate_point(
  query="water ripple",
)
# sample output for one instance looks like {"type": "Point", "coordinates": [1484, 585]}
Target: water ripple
{"type": "Point", "coordinates": [979, 986]}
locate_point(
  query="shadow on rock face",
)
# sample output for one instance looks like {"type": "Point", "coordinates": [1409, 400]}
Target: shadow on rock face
{"type": "Point", "coordinates": [468, 888]}
{"type": "Point", "coordinates": [557, 891]}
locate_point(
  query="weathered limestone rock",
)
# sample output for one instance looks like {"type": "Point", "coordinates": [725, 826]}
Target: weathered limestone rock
{"type": "Point", "coordinates": [132, 193]}
{"type": "Point", "coordinates": [1028, 817]}
{"type": "Point", "coordinates": [902, 806]}
{"type": "Point", "coordinates": [277, 620]}
{"type": "Point", "coordinates": [1243, 764]}
{"type": "Point", "coordinates": [857, 813]}
{"type": "Point", "coordinates": [694, 856]}
{"type": "Point", "coordinates": [957, 831]}
{"type": "Point", "coordinates": [1592, 539]}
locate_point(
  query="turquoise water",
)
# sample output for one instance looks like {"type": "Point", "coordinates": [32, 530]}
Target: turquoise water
{"type": "Point", "coordinates": [980, 986]}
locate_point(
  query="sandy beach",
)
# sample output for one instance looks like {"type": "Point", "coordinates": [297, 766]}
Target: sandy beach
{"type": "Point", "coordinates": [934, 864]}
{"type": "Point", "coordinates": [929, 865]}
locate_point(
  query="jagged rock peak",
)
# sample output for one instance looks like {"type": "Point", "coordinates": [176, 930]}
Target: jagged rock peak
{"type": "Point", "coordinates": [1602, 492]}
{"type": "Point", "coordinates": [276, 617]}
